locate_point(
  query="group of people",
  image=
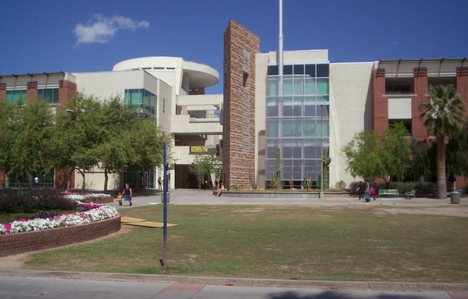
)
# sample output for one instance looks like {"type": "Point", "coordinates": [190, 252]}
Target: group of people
{"type": "Point", "coordinates": [366, 190]}
{"type": "Point", "coordinates": [126, 195]}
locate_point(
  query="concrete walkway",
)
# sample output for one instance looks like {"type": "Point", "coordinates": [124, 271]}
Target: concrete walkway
{"type": "Point", "coordinates": [205, 197]}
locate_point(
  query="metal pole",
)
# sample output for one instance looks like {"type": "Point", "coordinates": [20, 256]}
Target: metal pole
{"type": "Point", "coordinates": [321, 151]}
{"type": "Point", "coordinates": [164, 259]}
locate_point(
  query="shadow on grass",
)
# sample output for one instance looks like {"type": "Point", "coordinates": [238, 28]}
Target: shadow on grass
{"type": "Point", "coordinates": [342, 295]}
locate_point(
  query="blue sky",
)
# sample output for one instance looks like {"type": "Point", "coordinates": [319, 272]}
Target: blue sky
{"type": "Point", "coordinates": [93, 35]}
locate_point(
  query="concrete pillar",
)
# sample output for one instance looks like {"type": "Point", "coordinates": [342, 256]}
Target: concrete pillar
{"type": "Point", "coordinates": [380, 102]}
{"type": "Point", "coordinates": [31, 92]}
{"type": "Point", "coordinates": [67, 91]}
{"type": "Point", "coordinates": [462, 86]}
{"type": "Point", "coordinates": [2, 92]}
{"type": "Point", "coordinates": [420, 96]}
{"type": "Point", "coordinates": [240, 47]}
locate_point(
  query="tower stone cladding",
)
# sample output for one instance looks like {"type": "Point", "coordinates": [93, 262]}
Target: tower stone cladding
{"type": "Point", "coordinates": [240, 47]}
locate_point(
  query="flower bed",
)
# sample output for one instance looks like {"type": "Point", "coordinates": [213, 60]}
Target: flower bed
{"type": "Point", "coordinates": [33, 234]}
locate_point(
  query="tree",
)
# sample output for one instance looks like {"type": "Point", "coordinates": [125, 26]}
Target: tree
{"type": "Point", "coordinates": [29, 133]}
{"type": "Point", "coordinates": [443, 117]}
{"type": "Point", "coordinates": [76, 136]}
{"type": "Point", "coordinates": [457, 152]}
{"type": "Point", "coordinates": [204, 165]}
{"type": "Point", "coordinates": [369, 156]}
{"type": "Point", "coordinates": [132, 141]}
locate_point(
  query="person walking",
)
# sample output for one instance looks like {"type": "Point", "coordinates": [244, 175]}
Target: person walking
{"type": "Point", "coordinates": [367, 191]}
{"type": "Point", "coordinates": [127, 194]}
{"type": "Point", "coordinates": [160, 183]}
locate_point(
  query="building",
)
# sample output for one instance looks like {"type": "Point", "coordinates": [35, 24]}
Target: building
{"type": "Point", "coordinates": [169, 90]}
{"type": "Point", "coordinates": [320, 108]}
{"type": "Point", "coordinates": [296, 116]}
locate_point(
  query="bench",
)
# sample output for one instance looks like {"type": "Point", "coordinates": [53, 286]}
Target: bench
{"type": "Point", "coordinates": [410, 194]}
{"type": "Point", "coordinates": [389, 192]}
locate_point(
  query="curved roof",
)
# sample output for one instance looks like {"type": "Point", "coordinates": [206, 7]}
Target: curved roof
{"type": "Point", "coordinates": [199, 75]}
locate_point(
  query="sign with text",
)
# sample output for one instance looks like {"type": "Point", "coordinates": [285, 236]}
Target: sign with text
{"type": "Point", "coordinates": [198, 149]}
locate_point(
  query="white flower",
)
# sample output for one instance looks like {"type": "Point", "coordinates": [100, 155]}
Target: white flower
{"type": "Point", "coordinates": [101, 213]}
{"type": "Point", "coordinates": [3, 229]}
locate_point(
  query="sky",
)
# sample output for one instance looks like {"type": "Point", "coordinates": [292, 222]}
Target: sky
{"type": "Point", "coordinates": [93, 35]}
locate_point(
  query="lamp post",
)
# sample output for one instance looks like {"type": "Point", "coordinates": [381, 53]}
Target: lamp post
{"type": "Point", "coordinates": [164, 259]}
{"type": "Point", "coordinates": [321, 152]}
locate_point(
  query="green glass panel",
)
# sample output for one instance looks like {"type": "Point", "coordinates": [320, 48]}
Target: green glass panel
{"type": "Point", "coordinates": [288, 128]}
{"type": "Point", "coordinates": [310, 128]}
{"type": "Point", "coordinates": [309, 87]}
{"type": "Point", "coordinates": [287, 101]}
{"type": "Point", "coordinates": [14, 96]}
{"type": "Point", "coordinates": [272, 87]}
{"type": "Point", "coordinates": [50, 95]}
{"type": "Point", "coordinates": [298, 86]}
{"type": "Point", "coordinates": [272, 128]}
{"type": "Point", "coordinates": [322, 86]}
{"type": "Point", "coordinates": [287, 87]}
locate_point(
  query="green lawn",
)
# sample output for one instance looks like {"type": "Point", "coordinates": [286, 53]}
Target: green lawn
{"type": "Point", "coordinates": [319, 243]}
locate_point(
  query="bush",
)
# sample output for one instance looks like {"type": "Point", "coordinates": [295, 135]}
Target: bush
{"type": "Point", "coordinates": [422, 188]}
{"type": "Point", "coordinates": [31, 201]}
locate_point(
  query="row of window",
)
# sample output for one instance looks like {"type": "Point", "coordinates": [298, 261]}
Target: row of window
{"type": "Point", "coordinates": [51, 95]}
{"type": "Point", "coordinates": [299, 128]}
{"type": "Point", "coordinates": [297, 109]}
{"type": "Point", "coordinates": [294, 169]}
{"type": "Point", "coordinates": [298, 86]}
{"type": "Point", "coordinates": [312, 70]}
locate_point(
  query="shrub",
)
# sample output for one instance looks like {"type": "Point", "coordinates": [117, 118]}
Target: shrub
{"type": "Point", "coordinates": [30, 201]}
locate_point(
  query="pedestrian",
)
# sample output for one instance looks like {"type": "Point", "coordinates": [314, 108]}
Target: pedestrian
{"type": "Point", "coordinates": [220, 189]}
{"type": "Point", "coordinates": [160, 183]}
{"type": "Point", "coordinates": [119, 199]}
{"type": "Point", "coordinates": [367, 191]}
{"type": "Point", "coordinates": [36, 182]}
{"type": "Point", "coordinates": [361, 189]}
{"type": "Point", "coordinates": [373, 193]}
{"type": "Point", "coordinates": [127, 194]}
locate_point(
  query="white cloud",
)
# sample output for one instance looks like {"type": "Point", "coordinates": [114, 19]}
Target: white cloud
{"type": "Point", "coordinates": [101, 29]}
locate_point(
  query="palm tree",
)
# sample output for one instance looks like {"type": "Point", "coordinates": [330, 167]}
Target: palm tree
{"type": "Point", "coordinates": [443, 117]}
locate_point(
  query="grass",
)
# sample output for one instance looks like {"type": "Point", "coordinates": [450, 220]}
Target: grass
{"type": "Point", "coordinates": [319, 243]}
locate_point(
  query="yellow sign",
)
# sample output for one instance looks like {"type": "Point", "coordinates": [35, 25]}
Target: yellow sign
{"type": "Point", "coordinates": [198, 149]}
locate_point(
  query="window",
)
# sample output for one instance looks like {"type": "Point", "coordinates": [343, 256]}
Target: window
{"type": "Point", "coordinates": [272, 70]}
{"type": "Point", "coordinates": [322, 70]}
{"type": "Point", "coordinates": [310, 70]}
{"type": "Point", "coordinates": [322, 86]}
{"type": "Point", "coordinates": [272, 87]}
{"type": "Point", "coordinates": [299, 69]}
{"type": "Point", "coordinates": [297, 122]}
{"type": "Point", "coordinates": [144, 100]}
{"type": "Point", "coordinates": [15, 96]}
{"type": "Point", "coordinates": [50, 95]}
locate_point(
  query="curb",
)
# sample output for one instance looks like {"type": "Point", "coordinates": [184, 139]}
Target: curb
{"type": "Point", "coordinates": [246, 282]}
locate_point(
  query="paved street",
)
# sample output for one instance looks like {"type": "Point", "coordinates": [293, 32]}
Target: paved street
{"type": "Point", "coordinates": [55, 288]}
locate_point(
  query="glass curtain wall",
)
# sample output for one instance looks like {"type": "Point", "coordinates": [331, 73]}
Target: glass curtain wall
{"type": "Point", "coordinates": [144, 100]}
{"type": "Point", "coordinates": [297, 123]}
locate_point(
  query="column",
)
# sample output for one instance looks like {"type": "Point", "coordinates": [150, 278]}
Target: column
{"type": "Point", "coordinates": [31, 93]}
{"type": "Point", "coordinates": [420, 96]}
{"type": "Point", "coordinates": [380, 102]}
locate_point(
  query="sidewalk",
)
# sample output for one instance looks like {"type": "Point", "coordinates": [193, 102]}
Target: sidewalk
{"type": "Point", "coordinates": [205, 197]}
{"type": "Point", "coordinates": [59, 284]}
